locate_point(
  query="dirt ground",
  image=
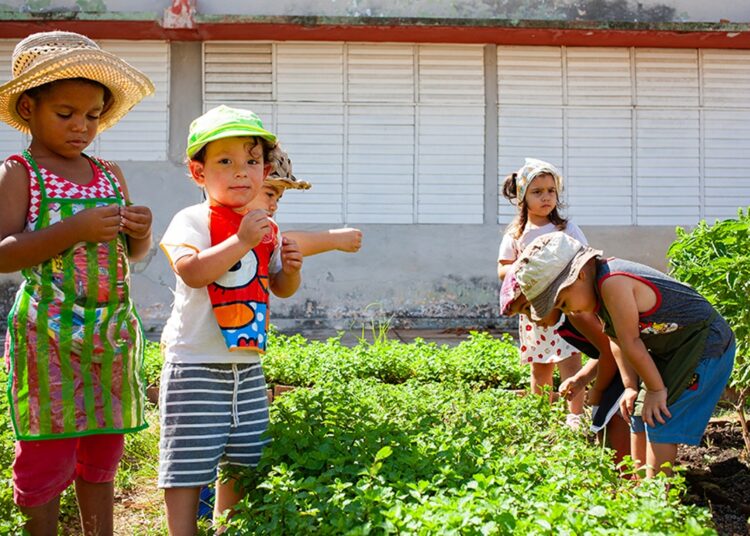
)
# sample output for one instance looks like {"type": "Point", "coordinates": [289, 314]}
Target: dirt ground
{"type": "Point", "coordinates": [718, 476]}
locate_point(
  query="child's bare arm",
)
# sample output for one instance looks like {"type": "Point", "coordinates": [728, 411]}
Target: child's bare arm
{"type": "Point", "coordinates": [591, 327]}
{"type": "Point", "coordinates": [287, 281]}
{"type": "Point", "coordinates": [618, 294]}
{"type": "Point", "coordinates": [502, 268]}
{"type": "Point", "coordinates": [206, 266]}
{"type": "Point", "coordinates": [313, 242]}
{"type": "Point", "coordinates": [19, 249]}
{"type": "Point", "coordinates": [135, 221]}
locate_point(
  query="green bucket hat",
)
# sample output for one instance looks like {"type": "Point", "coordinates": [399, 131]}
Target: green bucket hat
{"type": "Point", "coordinates": [224, 122]}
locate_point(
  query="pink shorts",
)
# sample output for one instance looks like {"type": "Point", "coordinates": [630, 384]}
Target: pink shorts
{"type": "Point", "coordinates": [43, 469]}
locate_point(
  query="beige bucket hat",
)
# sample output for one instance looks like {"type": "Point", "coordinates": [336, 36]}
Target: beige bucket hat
{"type": "Point", "coordinates": [548, 265]}
{"type": "Point", "coordinates": [281, 171]}
{"type": "Point", "coordinates": [49, 56]}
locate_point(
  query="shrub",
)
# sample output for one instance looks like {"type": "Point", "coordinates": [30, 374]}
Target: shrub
{"type": "Point", "coordinates": [715, 261]}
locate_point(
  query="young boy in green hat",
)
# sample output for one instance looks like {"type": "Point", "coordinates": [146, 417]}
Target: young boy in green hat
{"type": "Point", "coordinates": [227, 257]}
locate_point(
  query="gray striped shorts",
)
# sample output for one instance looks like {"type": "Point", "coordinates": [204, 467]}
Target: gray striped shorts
{"type": "Point", "coordinates": [210, 415]}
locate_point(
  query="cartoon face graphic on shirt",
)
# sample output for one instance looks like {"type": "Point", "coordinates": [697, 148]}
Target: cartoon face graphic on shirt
{"type": "Point", "coordinates": [239, 300]}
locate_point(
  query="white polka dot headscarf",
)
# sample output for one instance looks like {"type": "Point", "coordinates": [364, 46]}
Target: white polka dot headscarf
{"type": "Point", "coordinates": [531, 169]}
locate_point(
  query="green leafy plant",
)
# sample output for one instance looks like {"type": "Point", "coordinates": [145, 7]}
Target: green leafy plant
{"type": "Point", "coordinates": [11, 519]}
{"type": "Point", "coordinates": [365, 457]}
{"type": "Point", "coordinates": [481, 360]}
{"type": "Point", "coordinates": [715, 260]}
{"type": "Point", "coordinates": [152, 362]}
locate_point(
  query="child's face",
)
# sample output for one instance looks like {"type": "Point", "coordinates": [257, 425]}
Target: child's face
{"type": "Point", "coordinates": [268, 199]}
{"type": "Point", "coordinates": [578, 297]}
{"type": "Point", "coordinates": [541, 196]}
{"type": "Point", "coordinates": [522, 306]}
{"type": "Point", "coordinates": [232, 172]}
{"type": "Point", "coordinates": [65, 117]}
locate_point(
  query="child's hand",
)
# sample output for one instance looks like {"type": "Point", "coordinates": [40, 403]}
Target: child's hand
{"type": "Point", "coordinates": [136, 221]}
{"type": "Point", "coordinates": [291, 256]}
{"type": "Point", "coordinates": [627, 403]}
{"type": "Point", "coordinates": [98, 224]}
{"type": "Point", "coordinates": [655, 407]}
{"type": "Point", "coordinates": [347, 239]}
{"type": "Point", "coordinates": [571, 387]}
{"type": "Point", "coordinates": [254, 226]}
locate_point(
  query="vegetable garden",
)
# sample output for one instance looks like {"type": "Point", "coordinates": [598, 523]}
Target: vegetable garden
{"type": "Point", "coordinates": [392, 438]}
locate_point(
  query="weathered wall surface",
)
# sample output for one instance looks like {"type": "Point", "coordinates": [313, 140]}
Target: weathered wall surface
{"type": "Point", "coordinates": [415, 276]}
{"type": "Point", "coordinates": [686, 10]}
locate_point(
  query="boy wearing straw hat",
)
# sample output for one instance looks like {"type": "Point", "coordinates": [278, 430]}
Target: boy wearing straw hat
{"type": "Point", "coordinates": [674, 351]}
{"type": "Point", "coordinates": [279, 180]}
{"type": "Point", "coordinates": [74, 342]}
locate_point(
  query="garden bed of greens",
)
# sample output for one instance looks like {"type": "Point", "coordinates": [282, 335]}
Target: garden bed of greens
{"type": "Point", "coordinates": [386, 437]}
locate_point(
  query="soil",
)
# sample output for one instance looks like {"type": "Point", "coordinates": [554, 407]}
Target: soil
{"type": "Point", "coordinates": [718, 476]}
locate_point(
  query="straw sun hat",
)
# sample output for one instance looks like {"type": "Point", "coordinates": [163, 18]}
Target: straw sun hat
{"type": "Point", "coordinates": [49, 56]}
{"type": "Point", "coordinates": [281, 172]}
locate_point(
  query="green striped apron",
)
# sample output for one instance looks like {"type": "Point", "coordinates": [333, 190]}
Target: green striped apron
{"type": "Point", "coordinates": [75, 342]}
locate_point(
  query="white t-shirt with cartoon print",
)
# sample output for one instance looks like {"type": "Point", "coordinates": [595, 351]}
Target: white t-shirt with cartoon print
{"type": "Point", "coordinates": [192, 334]}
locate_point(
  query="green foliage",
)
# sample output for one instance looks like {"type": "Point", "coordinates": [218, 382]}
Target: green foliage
{"type": "Point", "coordinates": [365, 457]}
{"type": "Point", "coordinates": [152, 362]}
{"type": "Point", "coordinates": [11, 519]}
{"type": "Point", "coordinates": [715, 261]}
{"type": "Point", "coordinates": [481, 361]}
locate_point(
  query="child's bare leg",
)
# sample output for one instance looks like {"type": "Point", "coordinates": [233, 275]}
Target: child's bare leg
{"type": "Point", "coordinates": [569, 367]}
{"type": "Point", "coordinates": [42, 520]}
{"type": "Point", "coordinates": [96, 503]}
{"type": "Point", "coordinates": [618, 437]}
{"type": "Point", "coordinates": [638, 449]}
{"type": "Point", "coordinates": [658, 454]}
{"type": "Point", "coordinates": [182, 510]}
{"type": "Point", "coordinates": [541, 376]}
{"type": "Point", "coordinates": [228, 493]}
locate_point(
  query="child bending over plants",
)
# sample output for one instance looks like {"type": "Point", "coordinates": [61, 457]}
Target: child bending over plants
{"type": "Point", "coordinates": [675, 352]}
{"type": "Point", "coordinates": [584, 332]}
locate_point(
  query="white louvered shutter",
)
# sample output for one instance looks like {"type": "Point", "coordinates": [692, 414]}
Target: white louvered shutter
{"type": "Point", "coordinates": [726, 145]}
{"type": "Point", "coordinates": [598, 76]}
{"type": "Point", "coordinates": [726, 78]}
{"type": "Point", "coordinates": [530, 113]}
{"type": "Point", "coordinates": [599, 171]}
{"type": "Point", "coordinates": [380, 73]}
{"type": "Point", "coordinates": [310, 72]}
{"type": "Point", "coordinates": [668, 174]}
{"type": "Point", "coordinates": [310, 125]}
{"type": "Point", "coordinates": [450, 140]}
{"type": "Point", "coordinates": [143, 134]}
{"type": "Point", "coordinates": [237, 72]}
{"type": "Point", "coordinates": [380, 164]}
{"type": "Point", "coordinates": [313, 135]}
{"type": "Point", "coordinates": [667, 77]}
{"type": "Point", "coordinates": [11, 140]}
